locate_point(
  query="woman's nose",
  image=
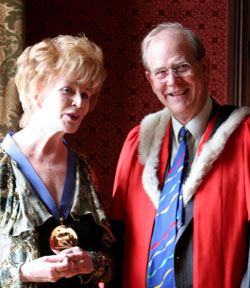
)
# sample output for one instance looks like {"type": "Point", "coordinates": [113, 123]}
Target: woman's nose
{"type": "Point", "coordinates": [77, 101]}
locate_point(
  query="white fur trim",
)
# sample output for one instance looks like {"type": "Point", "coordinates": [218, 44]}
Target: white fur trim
{"type": "Point", "coordinates": [152, 132]}
{"type": "Point", "coordinates": [211, 151]}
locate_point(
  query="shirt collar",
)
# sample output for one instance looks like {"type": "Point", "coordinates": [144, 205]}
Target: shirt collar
{"type": "Point", "coordinates": [197, 125]}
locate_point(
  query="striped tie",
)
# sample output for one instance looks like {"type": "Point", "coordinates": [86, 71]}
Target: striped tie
{"type": "Point", "coordinates": [168, 220]}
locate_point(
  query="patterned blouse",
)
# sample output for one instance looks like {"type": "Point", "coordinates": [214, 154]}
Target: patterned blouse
{"type": "Point", "coordinates": [21, 210]}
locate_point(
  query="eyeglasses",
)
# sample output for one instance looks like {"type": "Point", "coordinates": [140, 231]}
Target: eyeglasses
{"type": "Point", "coordinates": [179, 70]}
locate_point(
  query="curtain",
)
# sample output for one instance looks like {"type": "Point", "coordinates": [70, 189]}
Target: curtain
{"type": "Point", "coordinates": [11, 45]}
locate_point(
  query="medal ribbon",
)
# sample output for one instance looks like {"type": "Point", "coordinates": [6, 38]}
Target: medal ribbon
{"type": "Point", "coordinates": [65, 204]}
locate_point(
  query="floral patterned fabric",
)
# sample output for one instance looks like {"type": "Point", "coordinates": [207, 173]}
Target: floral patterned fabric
{"type": "Point", "coordinates": [21, 210]}
{"type": "Point", "coordinates": [11, 30]}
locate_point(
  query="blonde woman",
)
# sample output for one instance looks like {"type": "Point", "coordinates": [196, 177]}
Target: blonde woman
{"type": "Point", "coordinates": [48, 191]}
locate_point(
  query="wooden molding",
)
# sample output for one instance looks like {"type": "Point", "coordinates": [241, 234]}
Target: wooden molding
{"type": "Point", "coordinates": [239, 74]}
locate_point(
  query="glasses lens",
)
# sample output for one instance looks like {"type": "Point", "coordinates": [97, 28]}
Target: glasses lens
{"type": "Point", "coordinates": [179, 70]}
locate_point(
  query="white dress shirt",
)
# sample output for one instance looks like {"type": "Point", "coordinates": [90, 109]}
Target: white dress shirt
{"type": "Point", "coordinates": [196, 128]}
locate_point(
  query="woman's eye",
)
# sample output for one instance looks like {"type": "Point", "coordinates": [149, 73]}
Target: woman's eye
{"type": "Point", "coordinates": [85, 95]}
{"type": "Point", "coordinates": [67, 90]}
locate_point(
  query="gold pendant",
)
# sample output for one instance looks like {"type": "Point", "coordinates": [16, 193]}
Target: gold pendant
{"type": "Point", "coordinates": [62, 237]}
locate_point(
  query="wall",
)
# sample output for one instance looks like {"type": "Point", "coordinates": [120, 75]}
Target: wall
{"type": "Point", "coordinates": [119, 26]}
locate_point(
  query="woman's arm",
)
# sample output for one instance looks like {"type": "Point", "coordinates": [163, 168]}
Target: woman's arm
{"type": "Point", "coordinates": [46, 269]}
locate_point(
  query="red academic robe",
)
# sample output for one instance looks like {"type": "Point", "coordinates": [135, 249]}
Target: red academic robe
{"type": "Point", "coordinates": [219, 182]}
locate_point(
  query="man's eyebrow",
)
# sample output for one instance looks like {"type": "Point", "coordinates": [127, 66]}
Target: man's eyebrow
{"type": "Point", "coordinates": [164, 67]}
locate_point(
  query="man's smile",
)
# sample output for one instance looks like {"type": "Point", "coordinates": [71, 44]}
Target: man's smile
{"type": "Point", "coordinates": [178, 93]}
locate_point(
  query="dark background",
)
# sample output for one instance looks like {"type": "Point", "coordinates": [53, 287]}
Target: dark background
{"type": "Point", "coordinates": [118, 27]}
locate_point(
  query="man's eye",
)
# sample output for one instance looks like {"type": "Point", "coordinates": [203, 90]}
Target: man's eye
{"type": "Point", "coordinates": [161, 73]}
{"type": "Point", "coordinates": [182, 68]}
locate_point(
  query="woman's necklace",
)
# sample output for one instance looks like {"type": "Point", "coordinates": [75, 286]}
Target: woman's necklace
{"type": "Point", "coordinates": [62, 237]}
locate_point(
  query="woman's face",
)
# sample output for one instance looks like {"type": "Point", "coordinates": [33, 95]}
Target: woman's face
{"type": "Point", "coordinates": [64, 104]}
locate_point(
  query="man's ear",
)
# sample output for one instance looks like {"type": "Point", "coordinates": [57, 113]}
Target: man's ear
{"type": "Point", "coordinates": [205, 64]}
{"type": "Point", "coordinates": [147, 74]}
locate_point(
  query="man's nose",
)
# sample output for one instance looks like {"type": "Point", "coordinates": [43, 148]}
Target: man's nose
{"type": "Point", "coordinates": [171, 78]}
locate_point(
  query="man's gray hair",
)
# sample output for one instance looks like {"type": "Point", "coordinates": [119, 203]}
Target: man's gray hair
{"type": "Point", "coordinates": [196, 43]}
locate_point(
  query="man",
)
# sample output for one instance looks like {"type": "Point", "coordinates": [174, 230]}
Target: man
{"type": "Point", "coordinates": [212, 241]}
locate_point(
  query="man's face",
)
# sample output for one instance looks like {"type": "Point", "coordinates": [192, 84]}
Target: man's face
{"type": "Point", "coordinates": [186, 94]}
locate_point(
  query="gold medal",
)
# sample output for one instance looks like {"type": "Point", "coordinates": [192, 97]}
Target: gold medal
{"type": "Point", "coordinates": [62, 237]}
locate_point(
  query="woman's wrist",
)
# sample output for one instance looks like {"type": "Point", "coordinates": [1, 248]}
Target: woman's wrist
{"type": "Point", "coordinates": [99, 262]}
{"type": "Point", "coordinates": [21, 273]}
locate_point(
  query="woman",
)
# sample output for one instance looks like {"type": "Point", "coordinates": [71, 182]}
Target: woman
{"type": "Point", "coordinates": [53, 231]}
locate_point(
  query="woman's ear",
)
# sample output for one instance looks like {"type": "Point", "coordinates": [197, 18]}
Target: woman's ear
{"type": "Point", "coordinates": [38, 97]}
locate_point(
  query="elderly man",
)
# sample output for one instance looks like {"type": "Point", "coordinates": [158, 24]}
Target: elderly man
{"type": "Point", "coordinates": [182, 185]}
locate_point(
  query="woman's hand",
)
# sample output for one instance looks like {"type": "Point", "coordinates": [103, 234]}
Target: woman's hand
{"type": "Point", "coordinates": [45, 269]}
{"type": "Point", "coordinates": [81, 261]}
{"type": "Point", "coordinates": [68, 263]}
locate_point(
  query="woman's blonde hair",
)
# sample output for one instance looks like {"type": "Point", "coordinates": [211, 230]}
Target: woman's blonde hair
{"type": "Point", "coordinates": [74, 57]}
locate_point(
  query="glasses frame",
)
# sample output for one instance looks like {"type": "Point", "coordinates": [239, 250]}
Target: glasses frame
{"type": "Point", "coordinates": [174, 71]}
